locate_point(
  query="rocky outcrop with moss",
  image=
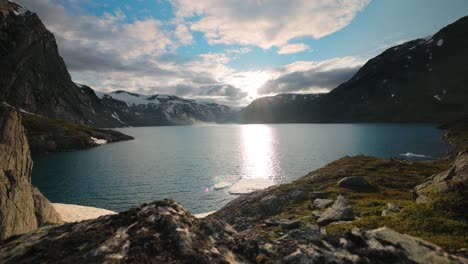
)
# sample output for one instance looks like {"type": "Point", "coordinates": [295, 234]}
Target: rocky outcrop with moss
{"type": "Point", "coordinates": [22, 206]}
{"type": "Point", "coordinates": [454, 179]}
{"type": "Point", "coordinates": [165, 232]}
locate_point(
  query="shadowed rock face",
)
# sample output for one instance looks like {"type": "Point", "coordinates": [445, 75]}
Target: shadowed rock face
{"type": "Point", "coordinates": [22, 207]}
{"type": "Point", "coordinates": [454, 179]}
{"type": "Point", "coordinates": [165, 232]}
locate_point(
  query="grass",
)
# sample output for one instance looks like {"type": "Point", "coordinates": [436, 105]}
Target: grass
{"type": "Point", "coordinates": [441, 221]}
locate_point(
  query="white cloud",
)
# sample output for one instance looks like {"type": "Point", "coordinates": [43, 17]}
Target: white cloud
{"type": "Point", "coordinates": [266, 23]}
{"type": "Point", "coordinates": [293, 48]}
{"type": "Point", "coordinates": [310, 76]}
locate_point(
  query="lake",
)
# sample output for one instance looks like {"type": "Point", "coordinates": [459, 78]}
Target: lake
{"type": "Point", "coordinates": [204, 167]}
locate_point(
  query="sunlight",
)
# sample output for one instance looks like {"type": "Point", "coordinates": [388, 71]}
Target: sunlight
{"type": "Point", "coordinates": [249, 81]}
{"type": "Point", "coordinates": [259, 154]}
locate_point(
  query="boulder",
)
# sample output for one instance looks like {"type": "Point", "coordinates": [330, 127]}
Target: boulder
{"type": "Point", "coordinates": [269, 205]}
{"type": "Point", "coordinates": [22, 207]}
{"type": "Point", "coordinates": [391, 209]}
{"type": "Point", "coordinates": [451, 180]}
{"type": "Point", "coordinates": [341, 210]}
{"type": "Point", "coordinates": [321, 203]}
{"type": "Point", "coordinates": [354, 182]}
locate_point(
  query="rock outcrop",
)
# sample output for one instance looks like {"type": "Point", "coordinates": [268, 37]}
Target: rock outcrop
{"type": "Point", "coordinates": [22, 207]}
{"type": "Point", "coordinates": [165, 232]}
{"type": "Point", "coordinates": [454, 179]}
{"type": "Point", "coordinates": [354, 182]}
{"type": "Point", "coordinates": [341, 210]}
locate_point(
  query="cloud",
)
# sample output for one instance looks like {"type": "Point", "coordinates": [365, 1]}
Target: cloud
{"type": "Point", "coordinates": [114, 52]}
{"type": "Point", "coordinates": [293, 48]}
{"type": "Point", "coordinates": [266, 23]}
{"type": "Point", "coordinates": [311, 77]}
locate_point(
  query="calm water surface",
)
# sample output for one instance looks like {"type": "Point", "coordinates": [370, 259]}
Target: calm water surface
{"type": "Point", "coordinates": [185, 162]}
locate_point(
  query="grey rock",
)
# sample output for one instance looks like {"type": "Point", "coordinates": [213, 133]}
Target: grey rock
{"type": "Point", "coordinates": [317, 214]}
{"type": "Point", "coordinates": [165, 232]}
{"type": "Point", "coordinates": [307, 234]}
{"type": "Point", "coordinates": [321, 203]}
{"type": "Point", "coordinates": [22, 207]}
{"type": "Point", "coordinates": [341, 210]}
{"type": "Point", "coordinates": [353, 182]}
{"type": "Point", "coordinates": [284, 223]}
{"type": "Point", "coordinates": [298, 195]}
{"type": "Point", "coordinates": [269, 205]}
{"type": "Point", "coordinates": [391, 209]}
{"type": "Point", "coordinates": [451, 180]}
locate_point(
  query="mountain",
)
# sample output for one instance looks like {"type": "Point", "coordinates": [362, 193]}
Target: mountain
{"type": "Point", "coordinates": [34, 78]}
{"type": "Point", "coordinates": [132, 109]}
{"type": "Point", "coordinates": [423, 80]}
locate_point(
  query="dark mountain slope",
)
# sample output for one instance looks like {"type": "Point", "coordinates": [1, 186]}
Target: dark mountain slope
{"type": "Point", "coordinates": [34, 77]}
{"type": "Point", "coordinates": [423, 80]}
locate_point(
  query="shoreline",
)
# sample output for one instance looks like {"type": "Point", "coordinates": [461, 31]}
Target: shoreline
{"type": "Point", "coordinates": [76, 213]}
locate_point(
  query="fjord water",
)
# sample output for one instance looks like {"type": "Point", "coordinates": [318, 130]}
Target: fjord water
{"type": "Point", "coordinates": [185, 162]}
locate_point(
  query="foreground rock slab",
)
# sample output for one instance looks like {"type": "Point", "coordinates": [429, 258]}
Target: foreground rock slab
{"type": "Point", "coordinates": [22, 206]}
{"type": "Point", "coordinates": [165, 232]}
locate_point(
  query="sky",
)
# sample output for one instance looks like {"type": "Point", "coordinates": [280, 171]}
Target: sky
{"type": "Point", "coordinates": [232, 51]}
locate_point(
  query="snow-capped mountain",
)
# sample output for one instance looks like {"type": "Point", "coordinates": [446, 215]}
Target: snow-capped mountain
{"type": "Point", "coordinates": [35, 78]}
{"type": "Point", "coordinates": [132, 109]}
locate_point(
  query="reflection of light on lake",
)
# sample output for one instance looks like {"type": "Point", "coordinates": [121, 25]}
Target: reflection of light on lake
{"type": "Point", "coordinates": [259, 154]}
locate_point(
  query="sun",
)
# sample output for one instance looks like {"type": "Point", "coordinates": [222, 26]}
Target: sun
{"type": "Point", "coordinates": [250, 81]}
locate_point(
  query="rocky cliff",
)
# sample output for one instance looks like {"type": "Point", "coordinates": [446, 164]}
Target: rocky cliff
{"type": "Point", "coordinates": [422, 80]}
{"type": "Point", "coordinates": [22, 206]}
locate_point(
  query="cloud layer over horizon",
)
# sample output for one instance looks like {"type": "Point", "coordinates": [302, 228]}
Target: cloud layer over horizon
{"type": "Point", "coordinates": [118, 51]}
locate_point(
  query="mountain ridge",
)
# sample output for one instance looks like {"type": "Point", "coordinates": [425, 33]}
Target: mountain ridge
{"type": "Point", "coordinates": [422, 80]}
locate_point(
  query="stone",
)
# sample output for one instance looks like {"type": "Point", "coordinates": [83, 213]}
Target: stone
{"type": "Point", "coordinates": [269, 205]}
{"type": "Point", "coordinates": [354, 182]}
{"type": "Point", "coordinates": [341, 210]}
{"type": "Point", "coordinates": [307, 234]}
{"type": "Point", "coordinates": [451, 180]}
{"type": "Point", "coordinates": [321, 203]}
{"type": "Point", "coordinates": [22, 207]}
{"type": "Point", "coordinates": [284, 223]}
{"type": "Point", "coordinates": [317, 214]}
{"type": "Point", "coordinates": [165, 232]}
{"type": "Point", "coordinates": [391, 209]}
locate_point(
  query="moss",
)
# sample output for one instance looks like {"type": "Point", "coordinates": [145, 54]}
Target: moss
{"type": "Point", "coordinates": [441, 221]}
{"type": "Point", "coordinates": [50, 135]}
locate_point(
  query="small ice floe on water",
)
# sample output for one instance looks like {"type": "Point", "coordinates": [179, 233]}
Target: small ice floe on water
{"type": "Point", "coordinates": [245, 186]}
{"type": "Point", "coordinates": [222, 185]}
{"type": "Point", "coordinates": [412, 155]}
{"type": "Point", "coordinates": [98, 141]}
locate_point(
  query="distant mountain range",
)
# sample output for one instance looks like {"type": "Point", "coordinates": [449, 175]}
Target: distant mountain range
{"type": "Point", "coordinates": [34, 78]}
{"type": "Point", "coordinates": [424, 80]}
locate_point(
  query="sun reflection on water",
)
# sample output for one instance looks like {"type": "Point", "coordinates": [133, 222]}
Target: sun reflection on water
{"type": "Point", "coordinates": [259, 152]}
